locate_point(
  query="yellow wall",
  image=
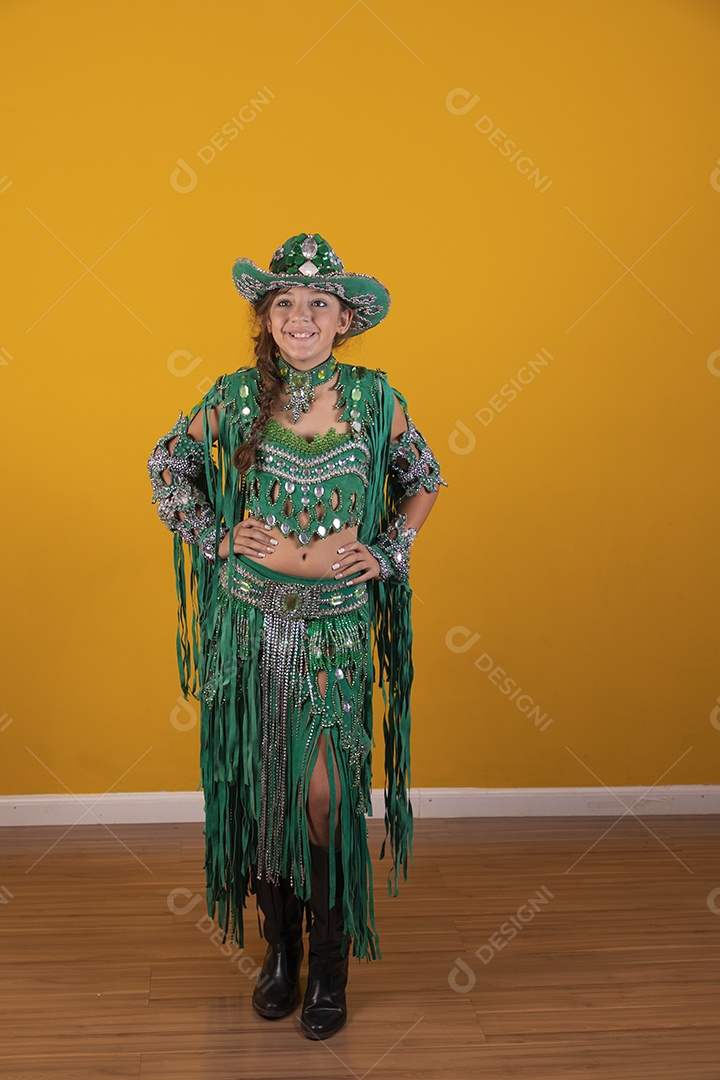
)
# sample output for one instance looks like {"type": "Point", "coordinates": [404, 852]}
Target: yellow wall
{"type": "Point", "coordinates": [579, 534]}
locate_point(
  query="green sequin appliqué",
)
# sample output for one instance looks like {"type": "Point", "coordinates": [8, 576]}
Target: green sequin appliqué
{"type": "Point", "coordinates": [276, 432]}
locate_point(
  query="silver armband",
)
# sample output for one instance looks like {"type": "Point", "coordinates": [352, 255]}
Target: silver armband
{"type": "Point", "coordinates": [182, 504]}
{"type": "Point", "coordinates": [412, 464]}
{"type": "Point", "coordinates": [393, 552]}
{"type": "Point", "coordinates": [382, 561]}
{"type": "Point", "coordinates": [211, 540]}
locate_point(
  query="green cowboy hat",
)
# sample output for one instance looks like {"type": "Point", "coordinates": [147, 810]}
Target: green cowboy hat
{"type": "Point", "coordinates": [307, 259]}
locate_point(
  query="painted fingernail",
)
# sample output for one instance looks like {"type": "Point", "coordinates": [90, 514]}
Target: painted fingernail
{"type": "Point", "coordinates": [335, 566]}
{"type": "Point", "coordinates": [341, 551]}
{"type": "Point", "coordinates": [273, 541]}
{"type": "Point", "coordinates": [338, 576]}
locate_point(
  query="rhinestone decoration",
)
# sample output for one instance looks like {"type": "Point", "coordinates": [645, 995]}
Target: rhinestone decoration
{"type": "Point", "coordinates": [302, 626]}
{"type": "Point", "coordinates": [412, 463]}
{"type": "Point", "coordinates": [299, 384]}
{"type": "Point", "coordinates": [330, 472]}
{"type": "Point", "coordinates": [304, 601]}
{"type": "Point", "coordinates": [288, 260]}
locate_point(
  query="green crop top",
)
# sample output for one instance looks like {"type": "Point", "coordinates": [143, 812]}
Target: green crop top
{"type": "Point", "coordinates": [308, 488]}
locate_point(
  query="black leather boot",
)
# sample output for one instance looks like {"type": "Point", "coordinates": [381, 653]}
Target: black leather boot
{"type": "Point", "coordinates": [324, 1011]}
{"type": "Point", "coordinates": [277, 990]}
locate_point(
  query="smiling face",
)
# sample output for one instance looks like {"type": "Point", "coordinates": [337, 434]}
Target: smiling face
{"type": "Point", "coordinates": [304, 322]}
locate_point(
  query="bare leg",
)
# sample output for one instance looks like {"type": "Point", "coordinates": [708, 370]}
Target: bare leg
{"type": "Point", "coordinates": [318, 799]}
{"type": "Point", "coordinates": [324, 1007]}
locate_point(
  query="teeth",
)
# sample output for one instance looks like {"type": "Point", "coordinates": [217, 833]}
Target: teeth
{"type": "Point", "coordinates": [300, 335]}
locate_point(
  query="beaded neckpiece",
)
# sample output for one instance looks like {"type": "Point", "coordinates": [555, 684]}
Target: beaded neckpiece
{"type": "Point", "coordinates": [299, 384]}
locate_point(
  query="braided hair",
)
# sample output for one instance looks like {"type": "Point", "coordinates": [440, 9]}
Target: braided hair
{"type": "Point", "coordinates": [270, 382]}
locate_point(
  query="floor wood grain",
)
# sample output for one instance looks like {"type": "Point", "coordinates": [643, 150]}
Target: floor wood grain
{"type": "Point", "coordinates": [537, 949]}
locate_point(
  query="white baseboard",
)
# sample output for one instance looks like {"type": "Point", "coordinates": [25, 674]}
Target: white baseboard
{"type": "Point", "coordinates": [151, 807]}
{"type": "Point", "coordinates": [563, 802]}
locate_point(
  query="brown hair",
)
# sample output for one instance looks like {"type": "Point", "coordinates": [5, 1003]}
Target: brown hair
{"type": "Point", "coordinates": [270, 381]}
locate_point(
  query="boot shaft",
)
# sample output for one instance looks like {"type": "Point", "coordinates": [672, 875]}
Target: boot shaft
{"type": "Point", "coordinates": [327, 934]}
{"type": "Point", "coordinates": [282, 911]}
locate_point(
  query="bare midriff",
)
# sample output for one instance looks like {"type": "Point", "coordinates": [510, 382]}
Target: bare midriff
{"type": "Point", "coordinates": [315, 560]}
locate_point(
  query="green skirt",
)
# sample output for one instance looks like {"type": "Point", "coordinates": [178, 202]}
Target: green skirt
{"type": "Point", "coordinates": [263, 713]}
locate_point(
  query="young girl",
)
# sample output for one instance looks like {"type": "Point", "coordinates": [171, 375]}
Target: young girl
{"type": "Point", "coordinates": [300, 485]}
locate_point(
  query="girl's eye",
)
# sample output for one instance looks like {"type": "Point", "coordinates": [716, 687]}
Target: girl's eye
{"type": "Point", "coordinates": [323, 302]}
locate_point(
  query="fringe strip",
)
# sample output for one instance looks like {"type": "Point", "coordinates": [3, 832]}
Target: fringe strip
{"type": "Point", "coordinates": [262, 718]}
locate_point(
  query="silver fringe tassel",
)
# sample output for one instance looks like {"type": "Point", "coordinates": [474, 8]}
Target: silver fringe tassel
{"type": "Point", "coordinates": [284, 663]}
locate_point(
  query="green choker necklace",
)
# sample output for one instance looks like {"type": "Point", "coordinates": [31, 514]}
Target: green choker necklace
{"type": "Point", "coordinates": [299, 384]}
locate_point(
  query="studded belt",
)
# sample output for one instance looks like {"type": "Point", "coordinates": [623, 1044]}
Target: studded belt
{"type": "Point", "coordinates": [291, 597]}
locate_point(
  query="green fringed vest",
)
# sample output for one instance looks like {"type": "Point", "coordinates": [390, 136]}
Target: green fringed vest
{"type": "Point", "coordinates": [368, 402]}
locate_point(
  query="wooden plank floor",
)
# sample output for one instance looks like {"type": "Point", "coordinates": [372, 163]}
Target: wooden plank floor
{"type": "Point", "coordinates": [612, 972]}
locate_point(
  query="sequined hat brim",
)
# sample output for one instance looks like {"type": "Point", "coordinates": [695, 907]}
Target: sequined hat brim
{"type": "Point", "coordinates": [367, 296]}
